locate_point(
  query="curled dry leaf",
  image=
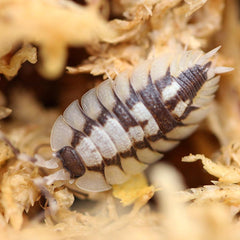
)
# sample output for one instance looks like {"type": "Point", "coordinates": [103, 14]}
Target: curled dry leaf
{"type": "Point", "coordinates": [226, 169]}
{"type": "Point", "coordinates": [227, 174]}
{"type": "Point", "coordinates": [11, 62]}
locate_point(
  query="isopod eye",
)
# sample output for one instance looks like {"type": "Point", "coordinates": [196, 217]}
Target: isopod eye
{"type": "Point", "coordinates": [71, 161]}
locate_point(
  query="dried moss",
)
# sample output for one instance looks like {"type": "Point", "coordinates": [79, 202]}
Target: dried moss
{"type": "Point", "coordinates": [117, 35]}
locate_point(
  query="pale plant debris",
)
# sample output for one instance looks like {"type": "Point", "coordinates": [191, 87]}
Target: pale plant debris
{"type": "Point", "coordinates": [28, 110]}
{"type": "Point", "coordinates": [227, 174]}
{"type": "Point", "coordinates": [118, 35]}
{"type": "Point", "coordinates": [226, 168]}
{"type": "Point", "coordinates": [5, 154]}
{"type": "Point", "coordinates": [18, 190]}
{"type": "Point", "coordinates": [4, 112]}
{"type": "Point", "coordinates": [149, 27]}
{"type": "Point", "coordinates": [18, 193]}
{"type": "Point", "coordinates": [11, 63]}
{"type": "Point", "coordinates": [225, 120]}
{"type": "Point", "coordinates": [135, 190]}
{"type": "Point", "coordinates": [23, 21]}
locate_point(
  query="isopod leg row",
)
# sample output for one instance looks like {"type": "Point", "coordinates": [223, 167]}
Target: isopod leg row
{"type": "Point", "coordinates": [41, 182]}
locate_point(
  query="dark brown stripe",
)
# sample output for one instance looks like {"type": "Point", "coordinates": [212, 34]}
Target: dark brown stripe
{"type": "Point", "coordinates": [164, 81]}
{"type": "Point", "coordinates": [154, 138]}
{"type": "Point", "coordinates": [88, 126]}
{"type": "Point", "coordinates": [104, 115]}
{"type": "Point", "coordinates": [130, 153]}
{"type": "Point", "coordinates": [182, 93]}
{"type": "Point", "coordinates": [142, 144]}
{"type": "Point", "coordinates": [97, 168]}
{"type": "Point", "coordinates": [192, 75]}
{"type": "Point", "coordinates": [188, 111]}
{"type": "Point", "coordinates": [172, 103]}
{"type": "Point", "coordinates": [191, 80]}
{"type": "Point", "coordinates": [133, 99]}
{"type": "Point", "coordinates": [200, 73]}
{"type": "Point", "coordinates": [71, 161]}
{"type": "Point", "coordinates": [185, 83]}
{"type": "Point", "coordinates": [123, 115]}
{"type": "Point", "coordinates": [152, 100]}
{"type": "Point", "coordinates": [127, 120]}
{"type": "Point", "coordinates": [161, 84]}
{"type": "Point", "coordinates": [77, 137]}
{"type": "Point", "coordinates": [143, 123]}
{"type": "Point", "coordinates": [198, 76]}
{"type": "Point", "coordinates": [115, 160]}
{"type": "Point", "coordinates": [102, 119]}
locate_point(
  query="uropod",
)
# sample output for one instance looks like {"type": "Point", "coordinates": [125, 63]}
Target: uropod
{"type": "Point", "coordinates": [125, 124]}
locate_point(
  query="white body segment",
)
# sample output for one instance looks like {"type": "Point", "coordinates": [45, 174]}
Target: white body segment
{"type": "Point", "coordinates": [126, 124]}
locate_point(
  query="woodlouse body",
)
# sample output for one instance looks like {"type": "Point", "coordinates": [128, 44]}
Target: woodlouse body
{"type": "Point", "coordinates": [124, 125]}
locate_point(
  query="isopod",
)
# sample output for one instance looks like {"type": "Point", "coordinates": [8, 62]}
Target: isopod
{"type": "Point", "coordinates": [125, 124]}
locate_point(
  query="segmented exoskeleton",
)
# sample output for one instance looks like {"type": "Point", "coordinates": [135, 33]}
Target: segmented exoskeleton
{"type": "Point", "coordinates": [124, 125]}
